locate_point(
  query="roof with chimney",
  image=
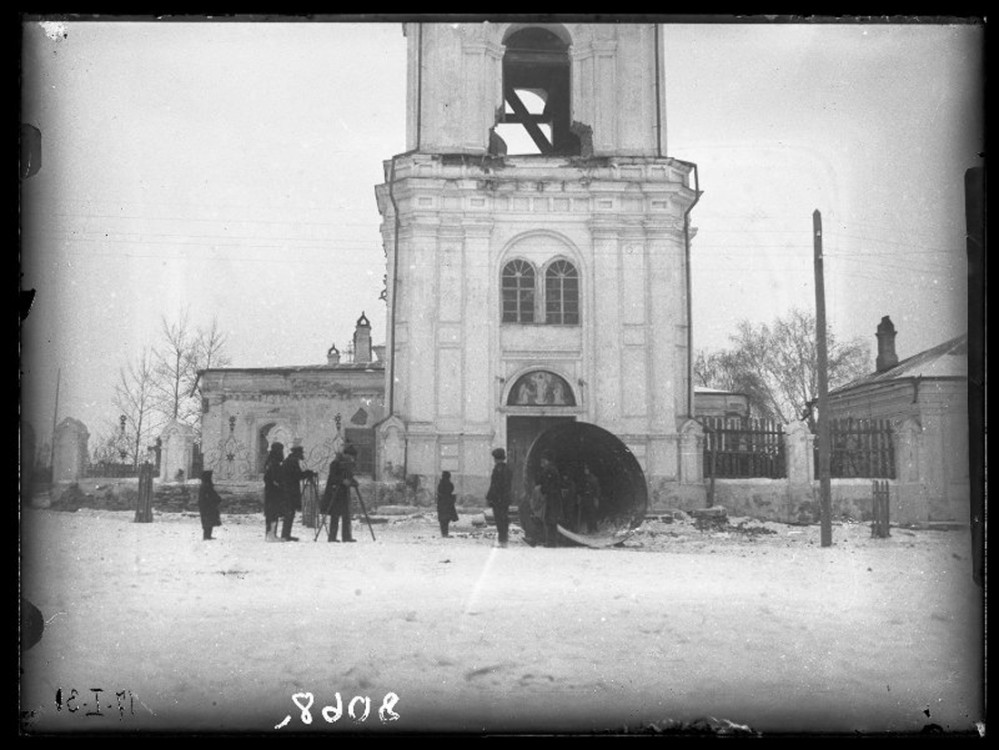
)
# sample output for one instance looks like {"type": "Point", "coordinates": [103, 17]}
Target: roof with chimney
{"type": "Point", "coordinates": [946, 360]}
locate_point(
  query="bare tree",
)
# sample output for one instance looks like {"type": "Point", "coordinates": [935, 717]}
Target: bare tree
{"type": "Point", "coordinates": [134, 397]}
{"type": "Point", "coordinates": [183, 353]}
{"type": "Point", "coordinates": [209, 351]}
{"type": "Point", "coordinates": [777, 366]}
{"type": "Point", "coordinates": [172, 368]}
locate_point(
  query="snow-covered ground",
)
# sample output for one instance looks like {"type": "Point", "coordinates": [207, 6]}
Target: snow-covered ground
{"type": "Point", "coordinates": [768, 630]}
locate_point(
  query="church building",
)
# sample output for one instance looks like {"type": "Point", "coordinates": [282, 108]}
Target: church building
{"type": "Point", "coordinates": [537, 240]}
{"type": "Point", "coordinates": [319, 407]}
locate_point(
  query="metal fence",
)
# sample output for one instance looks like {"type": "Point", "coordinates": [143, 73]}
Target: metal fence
{"type": "Point", "coordinates": [742, 448]}
{"type": "Point", "coordinates": [860, 448]}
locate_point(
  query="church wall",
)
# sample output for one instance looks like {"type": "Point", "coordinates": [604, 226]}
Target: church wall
{"type": "Point", "coordinates": [284, 405]}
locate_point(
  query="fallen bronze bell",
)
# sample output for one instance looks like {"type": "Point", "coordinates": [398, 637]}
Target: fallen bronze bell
{"type": "Point", "coordinates": [623, 493]}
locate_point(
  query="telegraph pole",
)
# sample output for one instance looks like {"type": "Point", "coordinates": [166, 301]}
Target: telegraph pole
{"type": "Point", "coordinates": [55, 417]}
{"type": "Point", "coordinates": [825, 488]}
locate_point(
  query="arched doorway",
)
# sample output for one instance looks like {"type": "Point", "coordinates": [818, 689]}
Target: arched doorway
{"type": "Point", "coordinates": [623, 493]}
{"type": "Point", "coordinates": [272, 432]}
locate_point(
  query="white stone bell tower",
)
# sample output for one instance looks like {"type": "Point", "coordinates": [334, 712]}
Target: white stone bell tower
{"type": "Point", "coordinates": [537, 251]}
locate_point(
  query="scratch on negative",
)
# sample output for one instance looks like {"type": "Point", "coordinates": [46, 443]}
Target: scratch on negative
{"type": "Point", "coordinates": [144, 705]}
{"type": "Point", "coordinates": [483, 670]}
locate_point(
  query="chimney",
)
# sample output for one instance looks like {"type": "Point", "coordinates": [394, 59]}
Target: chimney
{"type": "Point", "coordinates": [362, 341]}
{"type": "Point", "coordinates": [887, 358]}
{"type": "Point", "coordinates": [333, 356]}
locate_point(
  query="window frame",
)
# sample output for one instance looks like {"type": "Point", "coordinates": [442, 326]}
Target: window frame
{"type": "Point", "coordinates": [561, 313]}
{"type": "Point", "coordinates": [519, 290]}
{"type": "Point", "coordinates": [540, 292]}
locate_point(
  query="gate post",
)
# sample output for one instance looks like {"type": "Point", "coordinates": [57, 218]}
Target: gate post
{"type": "Point", "coordinates": [691, 452]}
{"type": "Point", "coordinates": [799, 453]}
{"type": "Point", "coordinates": [799, 458]}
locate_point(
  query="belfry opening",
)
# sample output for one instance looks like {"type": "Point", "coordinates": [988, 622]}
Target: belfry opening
{"type": "Point", "coordinates": [536, 94]}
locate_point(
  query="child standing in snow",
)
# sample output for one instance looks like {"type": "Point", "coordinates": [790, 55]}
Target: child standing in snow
{"type": "Point", "coordinates": [446, 511]}
{"type": "Point", "coordinates": [208, 504]}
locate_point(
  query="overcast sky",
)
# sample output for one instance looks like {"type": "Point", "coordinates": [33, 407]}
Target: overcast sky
{"type": "Point", "coordinates": [229, 170]}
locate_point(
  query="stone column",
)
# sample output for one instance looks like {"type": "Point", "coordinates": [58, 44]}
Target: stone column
{"type": "Point", "coordinates": [391, 449]}
{"type": "Point", "coordinates": [910, 498]}
{"type": "Point", "coordinates": [691, 452]}
{"type": "Point", "coordinates": [420, 380]}
{"type": "Point", "coordinates": [178, 445]}
{"type": "Point", "coordinates": [799, 454]}
{"type": "Point", "coordinates": [69, 459]}
{"type": "Point", "coordinates": [799, 458]}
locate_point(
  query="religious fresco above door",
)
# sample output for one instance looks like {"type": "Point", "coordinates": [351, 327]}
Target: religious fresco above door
{"type": "Point", "coordinates": [541, 388]}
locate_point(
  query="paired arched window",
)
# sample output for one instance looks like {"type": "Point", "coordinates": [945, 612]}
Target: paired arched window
{"type": "Point", "coordinates": [521, 294]}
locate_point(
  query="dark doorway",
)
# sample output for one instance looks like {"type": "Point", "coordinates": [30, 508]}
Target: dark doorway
{"type": "Point", "coordinates": [521, 432]}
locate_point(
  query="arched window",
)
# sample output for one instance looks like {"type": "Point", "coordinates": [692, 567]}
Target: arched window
{"type": "Point", "coordinates": [562, 293]}
{"type": "Point", "coordinates": [536, 94]}
{"type": "Point", "coordinates": [518, 292]}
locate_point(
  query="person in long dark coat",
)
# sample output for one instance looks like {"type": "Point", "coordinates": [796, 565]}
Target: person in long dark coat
{"type": "Point", "coordinates": [336, 495]}
{"type": "Point", "coordinates": [550, 485]}
{"type": "Point", "coordinates": [292, 475]}
{"type": "Point", "coordinates": [589, 500]}
{"type": "Point", "coordinates": [498, 496]}
{"type": "Point", "coordinates": [273, 492]}
{"type": "Point", "coordinates": [569, 517]}
{"type": "Point", "coordinates": [446, 512]}
{"type": "Point", "coordinates": [208, 505]}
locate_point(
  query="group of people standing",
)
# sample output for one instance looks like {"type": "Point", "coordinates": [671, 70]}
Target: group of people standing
{"type": "Point", "coordinates": [283, 492]}
{"type": "Point", "coordinates": [569, 498]}
{"type": "Point", "coordinates": [498, 498]}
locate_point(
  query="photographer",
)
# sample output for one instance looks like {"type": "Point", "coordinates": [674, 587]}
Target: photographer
{"type": "Point", "coordinates": [336, 495]}
{"type": "Point", "coordinates": [292, 475]}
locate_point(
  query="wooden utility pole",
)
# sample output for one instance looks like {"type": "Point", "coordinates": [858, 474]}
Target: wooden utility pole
{"type": "Point", "coordinates": [144, 503]}
{"type": "Point", "coordinates": [825, 489]}
{"type": "Point", "coordinates": [55, 416]}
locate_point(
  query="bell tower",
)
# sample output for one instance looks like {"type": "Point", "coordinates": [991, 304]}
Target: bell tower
{"type": "Point", "coordinates": [537, 250]}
